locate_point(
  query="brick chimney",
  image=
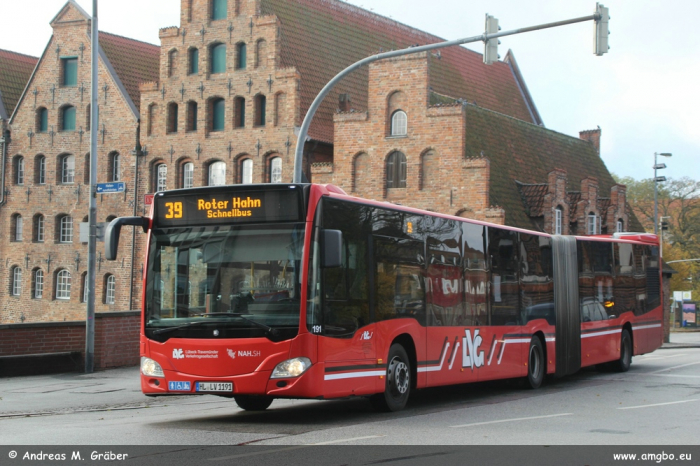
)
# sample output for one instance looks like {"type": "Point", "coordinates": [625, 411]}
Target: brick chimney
{"type": "Point", "coordinates": [592, 136]}
{"type": "Point", "coordinates": [344, 102]}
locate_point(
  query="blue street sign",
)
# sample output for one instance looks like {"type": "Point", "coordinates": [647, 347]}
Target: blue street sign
{"type": "Point", "coordinates": [116, 187]}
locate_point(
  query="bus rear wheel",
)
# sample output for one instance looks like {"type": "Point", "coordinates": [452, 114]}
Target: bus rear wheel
{"type": "Point", "coordinates": [535, 364]}
{"type": "Point", "coordinates": [397, 388]}
{"type": "Point", "coordinates": [252, 402]}
{"type": "Point", "coordinates": [623, 364]}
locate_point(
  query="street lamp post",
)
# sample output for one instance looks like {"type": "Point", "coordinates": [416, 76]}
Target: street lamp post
{"type": "Point", "coordinates": [657, 179]}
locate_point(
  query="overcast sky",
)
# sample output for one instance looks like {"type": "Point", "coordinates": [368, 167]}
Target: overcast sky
{"type": "Point", "coordinates": [643, 94]}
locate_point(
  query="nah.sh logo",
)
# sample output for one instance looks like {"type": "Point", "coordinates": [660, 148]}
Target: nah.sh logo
{"type": "Point", "coordinates": [177, 354]}
{"type": "Point", "coordinates": [231, 353]}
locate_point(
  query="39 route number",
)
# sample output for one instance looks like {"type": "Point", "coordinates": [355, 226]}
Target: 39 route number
{"type": "Point", "coordinates": [174, 210]}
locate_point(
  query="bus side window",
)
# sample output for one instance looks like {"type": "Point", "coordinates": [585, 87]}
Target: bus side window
{"type": "Point", "coordinates": [400, 291]}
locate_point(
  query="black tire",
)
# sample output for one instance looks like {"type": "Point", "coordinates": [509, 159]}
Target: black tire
{"type": "Point", "coordinates": [253, 402]}
{"type": "Point", "coordinates": [536, 364]}
{"type": "Point", "coordinates": [623, 364]}
{"type": "Point", "coordinates": [397, 388]}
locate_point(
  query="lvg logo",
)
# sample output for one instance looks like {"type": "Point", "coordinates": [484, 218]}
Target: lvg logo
{"type": "Point", "coordinates": [471, 355]}
{"type": "Point", "coordinates": [177, 354]}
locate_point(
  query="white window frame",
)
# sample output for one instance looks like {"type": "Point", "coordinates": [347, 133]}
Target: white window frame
{"type": "Point", "coordinates": [115, 167]}
{"type": "Point", "coordinates": [85, 287]}
{"type": "Point", "coordinates": [620, 226]}
{"type": "Point", "coordinates": [188, 175]}
{"type": "Point", "coordinates": [247, 171]}
{"type": "Point", "coordinates": [558, 214]}
{"type": "Point", "coordinates": [38, 284]}
{"type": "Point", "coordinates": [217, 173]}
{"type": "Point", "coordinates": [42, 170]}
{"type": "Point", "coordinates": [40, 229]}
{"type": "Point", "coordinates": [19, 227]}
{"type": "Point", "coordinates": [16, 281]}
{"type": "Point", "coordinates": [66, 229]}
{"type": "Point", "coordinates": [63, 284]}
{"type": "Point", "coordinates": [276, 170]}
{"type": "Point", "coordinates": [399, 123]}
{"type": "Point", "coordinates": [20, 171]}
{"type": "Point", "coordinates": [591, 224]}
{"type": "Point", "coordinates": [161, 177]}
{"type": "Point", "coordinates": [111, 290]}
{"type": "Point", "coordinates": [68, 169]}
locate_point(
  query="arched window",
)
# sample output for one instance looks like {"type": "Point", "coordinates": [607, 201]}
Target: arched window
{"type": "Point", "coordinates": [275, 170]}
{"type": "Point", "coordinates": [193, 65]}
{"type": "Point", "coordinates": [67, 169]}
{"type": "Point", "coordinates": [17, 227]}
{"type": "Point", "coordinates": [38, 229]}
{"type": "Point", "coordinates": [68, 118]}
{"type": "Point", "coordinates": [217, 174]}
{"type": "Point", "coordinates": [38, 284]}
{"type": "Point", "coordinates": [218, 9]}
{"type": "Point", "coordinates": [218, 113]}
{"type": "Point", "coordinates": [247, 171]}
{"type": "Point", "coordinates": [40, 169]}
{"type": "Point", "coordinates": [63, 283]}
{"type": "Point", "coordinates": [172, 118]}
{"type": "Point", "coordinates": [429, 170]}
{"type": "Point", "coordinates": [16, 281]}
{"type": "Point", "coordinates": [261, 53]}
{"type": "Point", "coordinates": [396, 170]}
{"type": "Point", "coordinates": [239, 112]}
{"type": "Point", "coordinates": [620, 225]}
{"type": "Point", "coordinates": [19, 170]}
{"type": "Point", "coordinates": [361, 172]}
{"type": "Point", "coordinates": [188, 175]}
{"type": "Point", "coordinates": [42, 120]}
{"type": "Point", "coordinates": [65, 229]}
{"type": "Point", "coordinates": [558, 220]}
{"type": "Point", "coordinates": [217, 54]}
{"type": "Point", "coordinates": [399, 123]}
{"type": "Point", "coordinates": [592, 224]}
{"type": "Point", "coordinates": [172, 63]}
{"type": "Point", "coordinates": [240, 56]}
{"type": "Point", "coordinates": [115, 167]}
{"type": "Point", "coordinates": [110, 289]}
{"type": "Point", "coordinates": [260, 109]}
{"type": "Point", "coordinates": [160, 177]}
{"type": "Point", "coordinates": [191, 116]}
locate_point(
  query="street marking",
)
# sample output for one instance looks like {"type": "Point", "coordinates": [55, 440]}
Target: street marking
{"type": "Point", "coordinates": [346, 440]}
{"type": "Point", "coordinates": [648, 357]}
{"type": "Point", "coordinates": [674, 367]}
{"type": "Point", "coordinates": [513, 420]}
{"type": "Point", "coordinates": [256, 453]}
{"type": "Point", "coordinates": [676, 375]}
{"type": "Point", "coordinates": [661, 404]}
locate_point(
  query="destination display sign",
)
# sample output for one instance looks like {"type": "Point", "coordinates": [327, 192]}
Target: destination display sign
{"type": "Point", "coordinates": [227, 207]}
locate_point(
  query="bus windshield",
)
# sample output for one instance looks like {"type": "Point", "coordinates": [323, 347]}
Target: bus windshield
{"type": "Point", "coordinates": [242, 280]}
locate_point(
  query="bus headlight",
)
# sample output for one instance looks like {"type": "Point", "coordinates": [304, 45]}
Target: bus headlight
{"type": "Point", "coordinates": [151, 368]}
{"type": "Point", "coordinates": [291, 368]}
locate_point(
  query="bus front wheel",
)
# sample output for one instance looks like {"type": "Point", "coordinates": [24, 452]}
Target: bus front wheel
{"type": "Point", "coordinates": [397, 387]}
{"type": "Point", "coordinates": [535, 363]}
{"type": "Point", "coordinates": [253, 403]}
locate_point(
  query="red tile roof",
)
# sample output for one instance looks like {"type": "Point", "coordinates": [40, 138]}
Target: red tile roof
{"type": "Point", "coordinates": [133, 61]}
{"type": "Point", "coordinates": [321, 37]}
{"type": "Point", "coordinates": [15, 71]}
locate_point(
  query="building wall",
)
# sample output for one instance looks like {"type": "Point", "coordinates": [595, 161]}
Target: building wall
{"type": "Point", "coordinates": [118, 129]}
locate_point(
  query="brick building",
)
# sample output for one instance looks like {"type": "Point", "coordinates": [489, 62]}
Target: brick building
{"type": "Point", "coordinates": [44, 261]}
{"type": "Point", "coordinates": [220, 101]}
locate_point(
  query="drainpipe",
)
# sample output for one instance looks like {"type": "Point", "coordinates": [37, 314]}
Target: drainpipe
{"type": "Point", "coordinates": [4, 141]}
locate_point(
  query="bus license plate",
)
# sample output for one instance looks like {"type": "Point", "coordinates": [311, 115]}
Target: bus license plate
{"type": "Point", "coordinates": [214, 386]}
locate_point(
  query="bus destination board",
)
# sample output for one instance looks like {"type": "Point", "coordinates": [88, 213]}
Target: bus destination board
{"type": "Point", "coordinates": [230, 207]}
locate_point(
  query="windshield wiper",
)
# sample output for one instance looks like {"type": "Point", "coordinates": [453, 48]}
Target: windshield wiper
{"type": "Point", "coordinates": [271, 331]}
{"type": "Point", "coordinates": [172, 329]}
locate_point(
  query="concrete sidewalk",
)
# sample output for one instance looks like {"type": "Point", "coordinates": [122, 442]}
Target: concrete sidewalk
{"type": "Point", "coordinates": [683, 339]}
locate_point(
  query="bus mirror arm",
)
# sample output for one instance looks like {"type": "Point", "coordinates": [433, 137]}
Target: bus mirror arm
{"type": "Point", "coordinates": [114, 228]}
{"type": "Point", "coordinates": [332, 250]}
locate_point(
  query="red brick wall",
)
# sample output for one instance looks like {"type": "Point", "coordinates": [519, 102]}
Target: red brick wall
{"type": "Point", "coordinates": [116, 339]}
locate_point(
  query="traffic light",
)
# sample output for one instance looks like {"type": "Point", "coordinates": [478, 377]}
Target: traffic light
{"type": "Point", "coordinates": [491, 45]}
{"type": "Point", "coordinates": [664, 225]}
{"type": "Point", "coordinates": [601, 30]}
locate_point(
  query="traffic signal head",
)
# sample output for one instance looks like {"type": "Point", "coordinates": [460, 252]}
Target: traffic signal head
{"type": "Point", "coordinates": [600, 41]}
{"type": "Point", "coordinates": [491, 45]}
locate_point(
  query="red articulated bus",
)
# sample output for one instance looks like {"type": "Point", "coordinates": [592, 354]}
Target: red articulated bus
{"type": "Point", "coordinates": [272, 291]}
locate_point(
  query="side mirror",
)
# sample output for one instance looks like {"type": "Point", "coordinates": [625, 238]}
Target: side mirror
{"type": "Point", "coordinates": [114, 228]}
{"type": "Point", "coordinates": [331, 248]}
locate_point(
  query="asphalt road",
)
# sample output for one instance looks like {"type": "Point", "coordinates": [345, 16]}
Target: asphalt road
{"type": "Point", "coordinates": [656, 403]}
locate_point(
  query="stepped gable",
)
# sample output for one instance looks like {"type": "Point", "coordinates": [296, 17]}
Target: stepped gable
{"type": "Point", "coordinates": [15, 71]}
{"type": "Point", "coordinates": [133, 61]}
{"type": "Point", "coordinates": [321, 37]}
{"type": "Point", "coordinates": [526, 152]}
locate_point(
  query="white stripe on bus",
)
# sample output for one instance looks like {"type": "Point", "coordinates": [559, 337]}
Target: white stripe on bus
{"type": "Point", "coordinates": [352, 375]}
{"type": "Point", "coordinates": [597, 334]}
